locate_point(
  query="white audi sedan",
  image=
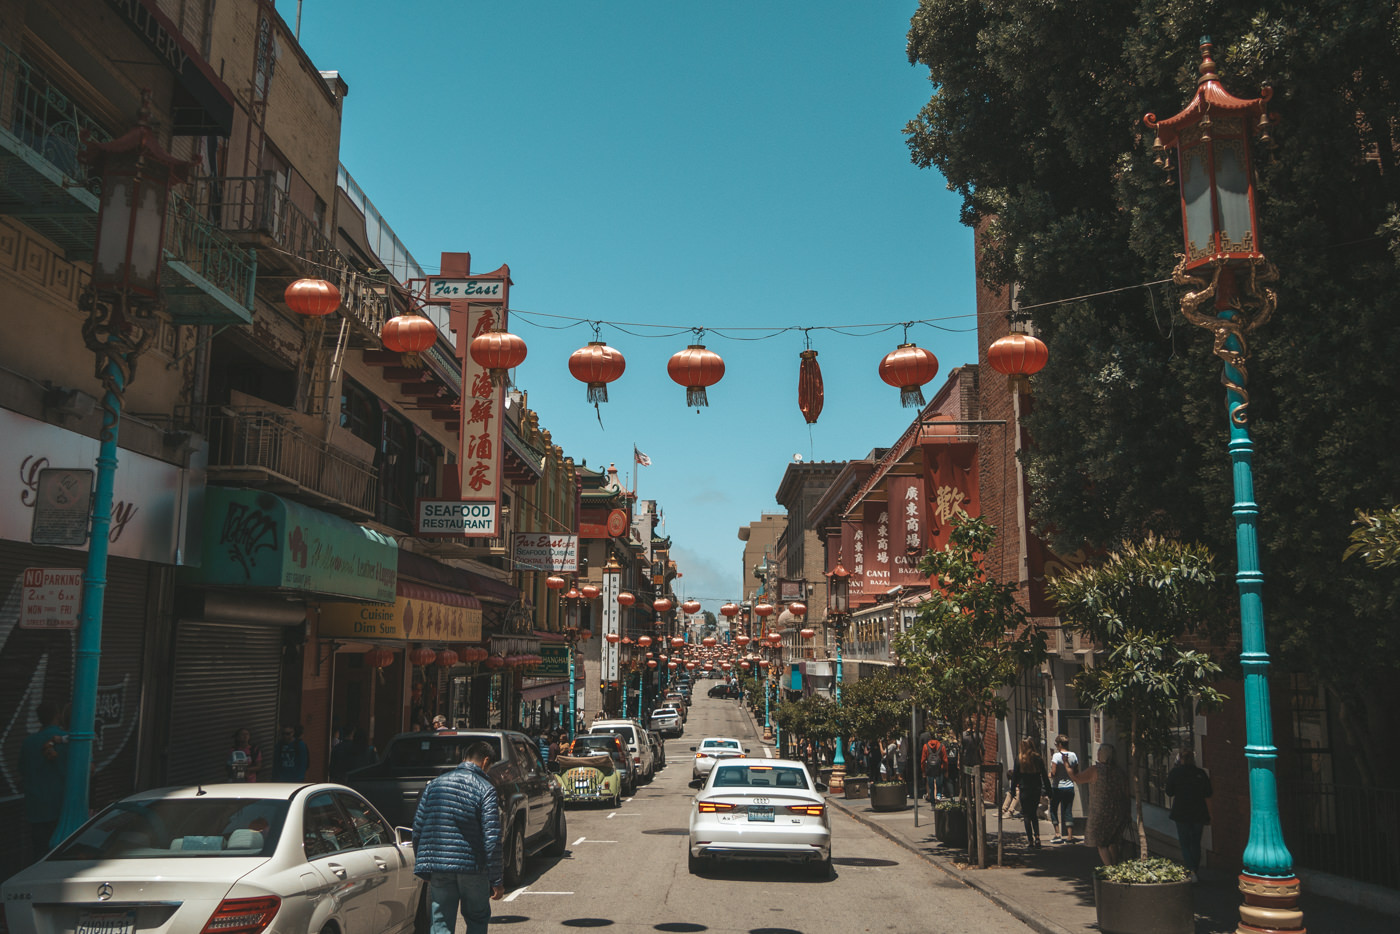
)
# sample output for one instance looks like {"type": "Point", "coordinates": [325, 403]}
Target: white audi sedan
{"type": "Point", "coordinates": [243, 858]}
{"type": "Point", "coordinates": [711, 750]}
{"type": "Point", "coordinates": [760, 809]}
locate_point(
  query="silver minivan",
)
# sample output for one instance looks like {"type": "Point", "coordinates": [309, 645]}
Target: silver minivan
{"type": "Point", "coordinates": [643, 761]}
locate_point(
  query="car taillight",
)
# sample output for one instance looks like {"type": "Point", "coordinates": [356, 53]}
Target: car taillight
{"type": "Point", "coordinates": [710, 807]}
{"type": "Point", "coordinates": [699, 755]}
{"type": "Point", "coordinates": [242, 915]}
{"type": "Point", "coordinates": [811, 810]}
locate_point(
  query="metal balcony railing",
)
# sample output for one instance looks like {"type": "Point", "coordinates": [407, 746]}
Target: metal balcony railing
{"type": "Point", "coordinates": [1351, 831]}
{"type": "Point", "coordinates": [258, 207]}
{"type": "Point", "coordinates": [194, 245]}
{"type": "Point", "coordinates": [44, 118]}
{"type": "Point", "coordinates": [260, 446]}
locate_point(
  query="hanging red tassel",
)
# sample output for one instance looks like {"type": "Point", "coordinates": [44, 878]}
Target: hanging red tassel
{"type": "Point", "coordinates": [810, 392]}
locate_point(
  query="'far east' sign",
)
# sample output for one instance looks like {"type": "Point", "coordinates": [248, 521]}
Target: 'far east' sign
{"type": "Point", "coordinates": [454, 517]}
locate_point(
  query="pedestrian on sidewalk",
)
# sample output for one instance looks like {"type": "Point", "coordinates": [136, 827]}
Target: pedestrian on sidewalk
{"type": "Point", "coordinates": [932, 761]}
{"type": "Point", "coordinates": [457, 843]}
{"type": "Point", "coordinates": [1030, 780]}
{"type": "Point", "coordinates": [1108, 805]}
{"type": "Point", "coordinates": [290, 756]}
{"type": "Point", "coordinates": [43, 768]}
{"type": "Point", "coordinates": [1188, 786]}
{"type": "Point", "coordinates": [1062, 792]}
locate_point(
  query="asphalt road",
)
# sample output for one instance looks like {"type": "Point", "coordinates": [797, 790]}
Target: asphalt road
{"type": "Point", "coordinates": [625, 871]}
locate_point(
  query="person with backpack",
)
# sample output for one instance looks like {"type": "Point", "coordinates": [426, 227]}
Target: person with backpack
{"type": "Point", "coordinates": [1062, 790]}
{"type": "Point", "coordinates": [932, 763]}
{"type": "Point", "coordinates": [952, 763]}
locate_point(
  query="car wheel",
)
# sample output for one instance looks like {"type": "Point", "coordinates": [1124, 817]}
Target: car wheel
{"type": "Point", "coordinates": [821, 869]}
{"type": "Point", "coordinates": [617, 799]}
{"type": "Point", "coordinates": [694, 863]}
{"type": "Point", "coordinates": [515, 857]}
{"type": "Point", "coordinates": [559, 840]}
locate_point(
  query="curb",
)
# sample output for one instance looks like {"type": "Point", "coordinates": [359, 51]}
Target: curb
{"type": "Point", "coordinates": [1030, 918]}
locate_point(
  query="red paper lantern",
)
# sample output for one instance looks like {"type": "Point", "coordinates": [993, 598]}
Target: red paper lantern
{"type": "Point", "coordinates": [708, 641]}
{"type": "Point", "coordinates": [421, 657]}
{"type": "Point", "coordinates": [597, 365]}
{"type": "Point", "coordinates": [810, 392]}
{"type": "Point", "coordinates": [808, 633]}
{"type": "Point", "coordinates": [730, 610]}
{"type": "Point", "coordinates": [661, 604]}
{"type": "Point", "coordinates": [797, 608]}
{"type": "Point", "coordinates": [775, 638]}
{"type": "Point", "coordinates": [586, 634]}
{"type": "Point", "coordinates": [446, 658]}
{"type": "Point", "coordinates": [555, 582]}
{"type": "Point", "coordinates": [725, 666]}
{"type": "Point", "coordinates": [763, 663]}
{"type": "Point", "coordinates": [314, 298]}
{"type": "Point", "coordinates": [651, 663]}
{"type": "Point", "coordinates": [644, 641]}
{"type": "Point", "coordinates": [690, 666]}
{"type": "Point", "coordinates": [744, 665]}
{"type": "Point", "coordinates": [408, 334]}
{"type": "Point", "coordinates": [1018, 356]}
{"type": "Point", "coordinates": [691, 606]}
{"type": "Point", "coordinates": [589, 591]}
{"type": "Point", "coordinates": [742, 640]}
{"type": "Point", "coordinates": [379, 658]}
{"type": "Point", "coordinates": [908, 367]}
{"type": "Point", "coordinates": [613, 638]}
{"type": "Point", "coordinates": [764, 610]}
{"type": "Point", "coordinates": [672, 665]}
{"type": "Point", "coordinates": [695, 368]}
{"type": "Point", "coordinates": [498, 352]}
{"type": "Point", "coordinates": [626, 599]}
{"type": "Point", "coordinates": [677, 641]}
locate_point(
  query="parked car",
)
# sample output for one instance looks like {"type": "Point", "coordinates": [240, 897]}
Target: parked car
{"type": "Point", "coordinates": [725, 689]}
{"type": "Point", "coordinates": [667, 721]}
{"type": "Point", "coordinates": [658, 749]}
{"type": "Point", "coordinates": [760, 809]}
{"type": "Point", "coordinates": [711, 750]}
{"type": "Point", "coordinates": [679, 701]}
{"type": "Point", "coordinates": [224, 857]}
{"type": "Point", "coordinates": [594, 744]}
{"type": "Point", "coordinates": [532, 803]}
{"type": "Point", "coordinates": [643, 764]}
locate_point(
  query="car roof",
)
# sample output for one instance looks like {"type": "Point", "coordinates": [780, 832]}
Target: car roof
{"type": "Point", "coordinates": [725, 739]}
{"type": "Point", "coordinates": [254, 790]}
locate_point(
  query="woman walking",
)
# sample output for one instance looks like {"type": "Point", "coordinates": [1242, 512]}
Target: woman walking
{"type": "Point", "coordinates": [1030, 781]}
{"type": "Point", "coordinates": [1108, 805]}
{"type": "Point", "coordinates": [1062, 790]}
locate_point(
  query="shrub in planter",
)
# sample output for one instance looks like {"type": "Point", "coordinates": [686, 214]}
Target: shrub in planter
{"type": "Point", "coordinates": [950, 822]}
{"type": "Point", "coordinates": [857, 786]}
{"type": "Point", "coordinates": [1144, 896]}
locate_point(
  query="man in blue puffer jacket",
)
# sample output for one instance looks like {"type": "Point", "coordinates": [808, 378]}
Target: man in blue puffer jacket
{"type": "Point", "coordinates": [457, 844]}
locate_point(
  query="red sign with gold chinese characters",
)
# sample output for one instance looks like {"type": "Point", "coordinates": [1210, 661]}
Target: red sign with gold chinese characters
{"type": "Point", "coordinates": [477, 304]}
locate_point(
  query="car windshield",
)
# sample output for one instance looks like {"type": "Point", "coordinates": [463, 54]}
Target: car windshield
{"type": "Point", "coordinates": [624, 731]}
{"type": "Point", "coordinates": [180, 827]}
{"type": "Point", "coordinates": [721, 744]}
{"type": "Point", "coordinates": [444, 751]}
{"type": "Point", "coordinates": [595, 744]}
{"type": "Point", "coordinates": [759, 776]}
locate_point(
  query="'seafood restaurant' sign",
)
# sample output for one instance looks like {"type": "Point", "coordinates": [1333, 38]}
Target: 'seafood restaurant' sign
{"type": "Point", "coordinates": [476, 305]}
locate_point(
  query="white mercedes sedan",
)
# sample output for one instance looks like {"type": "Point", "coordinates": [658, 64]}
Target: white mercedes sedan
{"type": "Point", "coordinates": [247, 858]}
{"type": "Point", "coordinates": [760, 809]}
{"type": "Point", "coordinates": [711, 750]}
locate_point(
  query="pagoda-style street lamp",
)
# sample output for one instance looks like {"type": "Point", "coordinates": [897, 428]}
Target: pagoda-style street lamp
{"type": "Point", "coordinates": [1223, 266]}
{"type": "Point", "coordinates": [121, 299]}
{"type": "Point", "coordinates": [838, 609]}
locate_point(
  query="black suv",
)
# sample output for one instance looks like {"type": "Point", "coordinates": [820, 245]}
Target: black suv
{"type": "Point", "coordinates": [724, 689]}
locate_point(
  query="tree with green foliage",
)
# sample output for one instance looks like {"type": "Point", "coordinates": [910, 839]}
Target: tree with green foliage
{"type": "Point", "coordinates": [811, 717]}
{"type": "Point", "coordinates": [969, 640]}
{"type": "Point", "coordinates": [1375, 536]}
{"type": "Point", "coordinates": [873, 709]}
{"type": "Point", "coordinates": [1036, 119]}
{"type": "Point", "coordinates": [1136, 604]}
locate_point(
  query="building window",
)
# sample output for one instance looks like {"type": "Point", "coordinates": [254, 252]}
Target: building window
{"type": "Point", "coordinates": [359, 412]}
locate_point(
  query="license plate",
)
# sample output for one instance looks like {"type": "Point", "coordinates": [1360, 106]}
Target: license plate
{"type": "Point", "coordinates": [761, 813]}
{"type": "Point", "coordinates": [107, 922]}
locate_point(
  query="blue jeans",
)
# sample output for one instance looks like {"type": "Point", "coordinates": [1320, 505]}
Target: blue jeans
{"type": "Point", "coordinates": [1189, 836]}
{"type": "Point", "coordinates": [1062, 809]}
{"type": "Point", "coordinates": [472, 890]}
{"type": "Point", "coordinates": [932, 782]}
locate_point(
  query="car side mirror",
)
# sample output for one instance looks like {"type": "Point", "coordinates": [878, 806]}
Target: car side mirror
{"type": "Point", "coordinates": [694, 748]}
{"type": "Point", "coordinates": [747, 753]}
{"type": "Point", "coordinates": [696, 783]}
{"type": "Point", "coordinates": [403, 836]}
{"type": "Point", "coordinates": [822, 787]}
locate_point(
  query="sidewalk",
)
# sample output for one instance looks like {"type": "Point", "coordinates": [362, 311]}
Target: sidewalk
{"type": "Point", "coordinates": [1052, 889]}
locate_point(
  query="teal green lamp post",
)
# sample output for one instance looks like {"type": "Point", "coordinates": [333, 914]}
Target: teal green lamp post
{"type": "Point", "coordinates": [838, 609]}
{"type": "Point", "coordinates": [1226, 275]}
{"type": "Point", "coordinates": [121, 299]}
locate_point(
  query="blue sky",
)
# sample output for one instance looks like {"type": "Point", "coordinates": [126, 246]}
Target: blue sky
{"type": "Point", "coordinates": [658, 167]}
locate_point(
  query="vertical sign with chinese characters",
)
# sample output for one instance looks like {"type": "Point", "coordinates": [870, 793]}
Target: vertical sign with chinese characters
{"type": "Point", "coordinates": [853, 555]}
{"type": "Point", "coordinates": [906, 504]}
{"type": "Point", "coordinates": [950, 484]}
{"type": "Point", "coordinates": [477, 304]}
{"type": "Point", "coordinates": [612, 623]}
{"type": "Point", "coordinates": [877, 549]}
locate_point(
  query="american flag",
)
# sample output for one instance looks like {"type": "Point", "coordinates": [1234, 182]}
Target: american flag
{"type": "Point", "coordinates": [640, 458]}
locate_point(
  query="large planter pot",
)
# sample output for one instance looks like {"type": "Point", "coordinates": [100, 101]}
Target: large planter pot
{"type": "Point", "coordinates": [824, 776]}
{"type": "Point", "coordinates": [857, 787]}
{"type": "Point", "coordinates": [951, 827]}
{"type": "Point", "coordinates": [1162, 908]}
{"type": "Point", "coordinates": [889, 796]}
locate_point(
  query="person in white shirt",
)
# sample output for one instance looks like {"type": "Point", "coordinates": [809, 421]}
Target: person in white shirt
{"type": "Point", "coordinates": [1062, 790]}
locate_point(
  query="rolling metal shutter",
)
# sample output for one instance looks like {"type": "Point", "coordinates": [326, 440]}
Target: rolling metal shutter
{"type": "Point", "coordinates": [227, 676]}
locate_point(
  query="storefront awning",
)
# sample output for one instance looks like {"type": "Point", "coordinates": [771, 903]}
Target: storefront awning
{"type": "Point", "coordinates": [258, 540]}
{"type": "Point", "coordinates": [420, 614]}
{"type": "Point", "coordinates": [541, 691]}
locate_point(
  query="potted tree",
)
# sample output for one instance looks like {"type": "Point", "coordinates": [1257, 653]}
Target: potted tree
{"type": "Point", "coordinates": [950, 822]}
{"type": "Point", "coordinates": [969, 641]}
{"type": "Point", "coordinates": [809, 718]}
{"type": "Point", "coordinates": [874, 710]}
{"type": "Point", "coordinates": [1137, 604]}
